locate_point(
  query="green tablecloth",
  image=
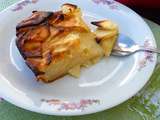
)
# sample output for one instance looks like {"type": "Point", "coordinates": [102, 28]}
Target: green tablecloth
{"type": "Point", "coordinates": [144, 106]}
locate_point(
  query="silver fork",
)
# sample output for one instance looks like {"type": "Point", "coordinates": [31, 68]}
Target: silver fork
{"type": "Point", "coordinates": [126, 46]}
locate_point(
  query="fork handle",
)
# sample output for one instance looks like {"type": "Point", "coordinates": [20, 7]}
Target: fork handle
{"type": "Point", "coordinates": [149, 49]}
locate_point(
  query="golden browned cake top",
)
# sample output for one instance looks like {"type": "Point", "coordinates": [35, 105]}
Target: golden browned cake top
{"type": "Point", "coordinates": [45, 36]}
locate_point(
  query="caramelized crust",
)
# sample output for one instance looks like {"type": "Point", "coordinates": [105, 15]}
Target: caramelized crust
{"type": "Point", "coordinates": [57, 43]}
{"type": "Point", "coordinates": [37, 18]}
{"type": "Point", "coordinates": [106, 35]}
{"type": "Point", "coordinates": [47, 40]}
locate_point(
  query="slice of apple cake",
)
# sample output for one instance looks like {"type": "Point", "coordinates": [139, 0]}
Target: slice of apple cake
{"type": "Point", "coordinates": [56, 43]}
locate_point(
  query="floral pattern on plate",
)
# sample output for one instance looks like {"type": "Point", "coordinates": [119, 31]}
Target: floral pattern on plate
{"type": "Point", "coordinates": [23, 3]}
{"type": "Point", "coordinates": [148, 56]}
{"type": "Point", "coordinates": [66, 105]}
{"type": "Point", "coordinates": [111, 3]}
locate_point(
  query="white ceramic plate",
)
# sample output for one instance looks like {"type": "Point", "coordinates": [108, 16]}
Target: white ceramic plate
{"type": "Point", "coordinates": [102, 86]}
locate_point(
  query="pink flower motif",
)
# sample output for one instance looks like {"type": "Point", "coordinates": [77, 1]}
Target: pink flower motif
{"type": "Point", "coordinates": [83, 102]}
{"type": "Point", "coordinates": [108, 2]}
{"type": "Point", "coordinates": [34, 1]}
{"type": "Point", "coordinates": [65, 105]}
{"type": "Point", "coordinates": [24, 3]}
{"type": "Point", "coordinates": [111, 3]}
{"type": "Point", "coordinates": [148, 56]}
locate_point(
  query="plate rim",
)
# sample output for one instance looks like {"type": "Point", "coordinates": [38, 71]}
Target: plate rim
{"type": "Point", "coordinates": [72, 113]}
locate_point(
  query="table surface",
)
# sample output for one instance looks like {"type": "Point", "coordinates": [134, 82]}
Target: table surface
{"type": "Point", "coordinates": [144, 106]}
